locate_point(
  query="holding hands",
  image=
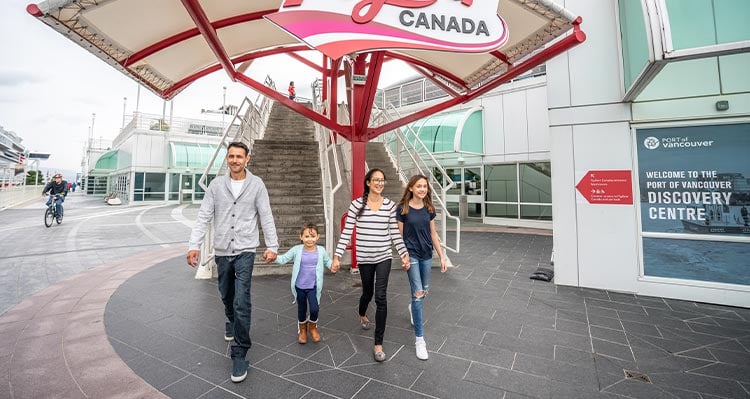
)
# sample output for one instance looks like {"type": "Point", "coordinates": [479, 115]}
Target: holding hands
{"type": "Point", "coordinates": [335, 265]}
{"type": "Point", "coordinates": [269, 256]}
{"type": "Point", "coordinates": [405, 263]}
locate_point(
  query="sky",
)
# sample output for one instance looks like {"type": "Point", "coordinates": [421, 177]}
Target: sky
{"type": "Point", "coordinates": [50, 87]}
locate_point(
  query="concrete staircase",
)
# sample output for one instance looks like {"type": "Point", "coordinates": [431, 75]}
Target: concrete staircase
{"type": "Point", "coordinates": [287, 161]}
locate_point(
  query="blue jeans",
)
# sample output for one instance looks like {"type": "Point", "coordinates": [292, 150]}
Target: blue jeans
{"type": "Point", "coordinates": [58, 204]}
{"type": "Point", "coordinates": [307, 296]}
{"type": "Point", "coordinates": [235, 275]}
{"type": "Point", "coordinates": [419, 280]}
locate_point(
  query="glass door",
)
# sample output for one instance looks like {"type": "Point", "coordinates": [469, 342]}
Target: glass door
{"type": "Point", "coordinates": [472, 182]}
{"type": "Point", "coordinates": [186, 189]}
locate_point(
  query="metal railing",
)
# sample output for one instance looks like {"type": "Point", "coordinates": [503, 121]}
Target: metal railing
{"type": "Point", "coordinates": [246, 125]}
{"type": "Point", "coordinates": [154, 122]}
{"type": "Point", "coordinates": [411, 156]}
{"type": "Point", "coordinates": [18, 194]}
{"type": "Point", "coordinates": [328, 155]}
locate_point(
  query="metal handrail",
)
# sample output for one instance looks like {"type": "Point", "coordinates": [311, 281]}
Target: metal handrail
{"type": "Point", "coordinates": [327, 153]}
{"type": "Point", "coordinates": [413, 151]}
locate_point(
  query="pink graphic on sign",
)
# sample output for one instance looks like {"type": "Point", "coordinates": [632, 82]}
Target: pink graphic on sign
{"type": "Point", "coordinates": [343, 27]}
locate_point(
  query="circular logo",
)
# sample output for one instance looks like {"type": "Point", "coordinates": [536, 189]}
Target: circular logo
{"type": "Point", "coordinates": [651, 143]}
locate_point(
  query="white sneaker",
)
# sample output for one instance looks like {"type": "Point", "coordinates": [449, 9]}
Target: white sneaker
{"type": "Point", "coordinates": [411, 318]}
{"type": "Point", "coordinates": [421, 350]}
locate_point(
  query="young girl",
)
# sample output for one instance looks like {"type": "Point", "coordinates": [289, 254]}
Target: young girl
{"type": "Point", "coordinates": [375, 219]}
{"type": "Point", "coordinates": [307, 279]}
{"type": "Point", "coordinates": [415, 214]}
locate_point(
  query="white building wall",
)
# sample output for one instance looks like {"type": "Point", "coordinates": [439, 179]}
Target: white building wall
{"type": "Point", "coordinates": [594, 245]}
{"type": "Point", "coordinates": [516, 126]}
{"type": "Point", "coordinates": [598, 246]}
{"type": "Point", "coordinates": [149, 154]}
{"type": "Point", "coordinates": [494, 133]}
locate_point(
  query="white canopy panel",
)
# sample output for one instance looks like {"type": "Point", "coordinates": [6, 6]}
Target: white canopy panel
{"type": "Point", "coordinates": [158, 44]}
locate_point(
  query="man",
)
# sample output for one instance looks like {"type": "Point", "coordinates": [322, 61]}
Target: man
{"type": "Point", "coordinates": [58, 187]}
{"type": "Point", "coordinates": [235, 203]}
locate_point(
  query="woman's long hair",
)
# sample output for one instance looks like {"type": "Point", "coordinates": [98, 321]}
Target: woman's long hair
{"type": "Point", "coordinates": [408, 195]}
{"type": "Point", "coordinates": [368, 176]}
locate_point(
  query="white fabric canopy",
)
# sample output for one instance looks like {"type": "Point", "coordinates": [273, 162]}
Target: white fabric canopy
{"type": "Point", "coordinates": [157, 42]}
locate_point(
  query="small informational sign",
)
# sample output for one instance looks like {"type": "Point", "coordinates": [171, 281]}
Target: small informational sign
{"type": "Point", "coordinates": [610, 187]}
{"type": "Point", "coordinates": [359, 79]}
{"type": "Point", "coordinates": [337, 28]}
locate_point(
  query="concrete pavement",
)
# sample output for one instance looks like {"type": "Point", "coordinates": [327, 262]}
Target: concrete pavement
{"type": "Point", "coordinates": [119, 314]}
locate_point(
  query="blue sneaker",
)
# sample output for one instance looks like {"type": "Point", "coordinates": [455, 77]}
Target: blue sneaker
{"type": "Point", "coordinates": [239, 369]}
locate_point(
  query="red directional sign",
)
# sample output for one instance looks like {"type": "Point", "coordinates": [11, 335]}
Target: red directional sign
{"type": "Point", "coordinates": [612, 187]}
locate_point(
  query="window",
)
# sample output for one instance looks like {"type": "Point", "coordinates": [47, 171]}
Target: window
{"type": "Point", "coordinates": [519, 191]}
{"type": "Point", "coordinates": [174, 186]}
{"type": "Point", "coordinates": [501, 183]}
{"type": "Point", "coordinates": [199, 192]}
{"type": "Point", "coordinates": [149, 186]}
{"type": "Point", "coordinates": [96, 185]}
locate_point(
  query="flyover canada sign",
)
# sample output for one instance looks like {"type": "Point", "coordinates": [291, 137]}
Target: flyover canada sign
{"type": "Point", "coordinates": [339, 27]}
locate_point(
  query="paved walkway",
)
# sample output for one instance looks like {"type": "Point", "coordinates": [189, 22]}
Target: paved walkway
{"type": "Point", "coordinates": [140, 326]}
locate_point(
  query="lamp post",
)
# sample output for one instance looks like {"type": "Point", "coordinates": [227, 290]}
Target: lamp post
{"type": "Point", "coordinates": [124, 103]}
{"type": "Point", "coordinates": [223, 106]}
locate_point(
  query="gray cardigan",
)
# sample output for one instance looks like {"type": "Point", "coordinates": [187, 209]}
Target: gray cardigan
{"type": "Point", "coordinates": [235, 222]}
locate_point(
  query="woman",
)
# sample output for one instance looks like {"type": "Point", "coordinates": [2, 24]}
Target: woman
{"type": "Point", "coordinates": [374, 216]}
{"type": "Point", "coordinates": [416, 222]}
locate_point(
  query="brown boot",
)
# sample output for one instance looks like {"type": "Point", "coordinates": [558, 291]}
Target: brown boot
{"type": "Point", "coordinates": [302, 330]}
{"type": "Point", "coordinates": [313, 327]}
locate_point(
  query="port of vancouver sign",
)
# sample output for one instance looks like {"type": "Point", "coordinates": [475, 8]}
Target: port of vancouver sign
{"type": "Point", "coordinates": [694, 184]}
{"type": "Point", "coordinates": [339, 27]}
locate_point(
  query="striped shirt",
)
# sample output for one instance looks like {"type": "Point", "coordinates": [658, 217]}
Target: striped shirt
{"type": "Point", "coordinates": [375, 232]}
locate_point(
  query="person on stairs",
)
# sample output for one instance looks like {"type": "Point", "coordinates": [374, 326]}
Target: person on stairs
{"type": "Point", "coordinates": [307, 280]}
{"type": "Point", "coordinates": [292, 93]}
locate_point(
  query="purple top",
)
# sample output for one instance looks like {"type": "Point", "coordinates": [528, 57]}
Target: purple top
{"type": "Point", "coordinates": [307, 266]}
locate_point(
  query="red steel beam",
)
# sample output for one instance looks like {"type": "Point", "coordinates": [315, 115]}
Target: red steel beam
{"type": "Point", "coordinates": [570, 41]}
{"type": "Point", "coordinates": [305, 61]}
{"type": "Point", "coordinates": [334, 76]}
{"type": "Point", "coordinates": [179, 85]}
{"type": "Point", "coordinates": [369, 91]}
{"type": "Point", "coordinates": [283, 99]}
{"type": "Point", "coordinates": [431, 76]}
{"type": "Point", "coordinates": [411, 60]}
{"type": "Point", "coordinates": [500, 56]}
{"type": "Point", "coordinates": [182, 36]}
{"type": "Point", "coordinates": [200, 18]}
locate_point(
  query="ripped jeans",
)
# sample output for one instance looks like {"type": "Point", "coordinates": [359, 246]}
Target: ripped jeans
{"type": "Point", "coordinates": [419, 280]}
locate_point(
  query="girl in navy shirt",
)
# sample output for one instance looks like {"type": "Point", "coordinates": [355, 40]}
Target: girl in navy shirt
{"type": "Point", "coordinates": [416, 222]}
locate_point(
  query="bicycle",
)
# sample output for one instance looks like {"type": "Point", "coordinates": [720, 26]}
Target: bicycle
{"type": "Point", "coordinates": [50, 214]}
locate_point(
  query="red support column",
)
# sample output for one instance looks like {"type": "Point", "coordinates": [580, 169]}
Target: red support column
{"type": "Point", "coordinates": [358, 134]}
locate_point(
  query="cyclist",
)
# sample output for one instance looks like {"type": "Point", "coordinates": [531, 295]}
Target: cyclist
{"type": "Point", "coordinates": [58, 189]}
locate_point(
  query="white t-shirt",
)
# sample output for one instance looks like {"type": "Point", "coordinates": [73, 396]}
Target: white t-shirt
{"type": "Point", "coordinates": [237, 187]}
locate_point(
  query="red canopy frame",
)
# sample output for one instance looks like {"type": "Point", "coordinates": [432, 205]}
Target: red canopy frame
{"type": "Point", "coordinates": [360, 98]}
